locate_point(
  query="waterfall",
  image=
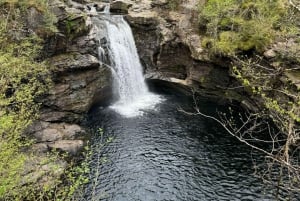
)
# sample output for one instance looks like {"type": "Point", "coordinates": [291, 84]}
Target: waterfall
{"type": "Point", "coordinates": [117, 49]}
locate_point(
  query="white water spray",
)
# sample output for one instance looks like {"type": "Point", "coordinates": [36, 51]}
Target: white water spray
{"type": "Point", "coordinates": [129, 84]}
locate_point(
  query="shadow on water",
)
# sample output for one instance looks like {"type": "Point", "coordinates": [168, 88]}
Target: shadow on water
{"type": "Point", "coordinates": [167, 155]}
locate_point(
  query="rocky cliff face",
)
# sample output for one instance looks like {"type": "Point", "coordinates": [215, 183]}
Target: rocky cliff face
{"type": "Point", "coordinates": [169, 46]}
{"type": "Point", "coordinates": [168, 39]}
{"type": "Point", "coordinates": [78, 80]}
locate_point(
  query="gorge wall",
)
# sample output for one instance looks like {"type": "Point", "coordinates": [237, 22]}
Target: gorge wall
{"type": "Point", "coordinates": [78, 80]}
{"type": "Point", "coordinates": [169, 46]}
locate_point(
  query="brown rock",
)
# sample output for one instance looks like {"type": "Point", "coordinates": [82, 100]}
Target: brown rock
{"type": "Point", "coordinates": [69, 146]}
{"type": "Point", "coordinates": [50, 132]}
{"type": "Point", "coordinates": [72, 62]}
{"type": "Point", "coordinates": [119, 7]}
{"type": "Point", "coordinates": [75, 92]}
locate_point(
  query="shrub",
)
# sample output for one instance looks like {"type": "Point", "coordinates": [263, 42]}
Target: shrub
{"type": "Point", "coordinates": [241, 26]}
{"type": "Point", "coordinates": [22, 80]}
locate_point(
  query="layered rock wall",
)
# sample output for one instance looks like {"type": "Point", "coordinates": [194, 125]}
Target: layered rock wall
{"type": "Point", "coordinates": [169, 45]}
{"type": "Point", "coordinates": [78, 80]}
{"type": "Point", "coordinates": [168, 40]}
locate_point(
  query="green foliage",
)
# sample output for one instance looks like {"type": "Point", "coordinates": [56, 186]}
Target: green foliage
{"type": "Point", "coordinates": [41, 5]}
{"type": "Point", "coordinates": [22, 80]}
{"type": "Point", "coordinates": [282, 102]}
{"type": "Point", "coordinates": [13, 8]}
{"type": "Point", "coordinates": [234, 26]}
{"type": "Point", "coordinates": [74, 178]}
{"type": "Point", "coordinates": [59, 182]}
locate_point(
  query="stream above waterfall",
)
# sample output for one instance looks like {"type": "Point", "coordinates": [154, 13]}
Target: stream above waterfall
{"type": "Point", "coordinates": [168, 155]}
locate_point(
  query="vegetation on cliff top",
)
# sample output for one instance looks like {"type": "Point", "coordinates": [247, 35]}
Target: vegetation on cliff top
{"type": "Point", "coordinates": [233, 27]}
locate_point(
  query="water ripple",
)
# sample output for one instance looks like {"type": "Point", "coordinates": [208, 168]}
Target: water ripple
{"type": "Point", "coordinates": [165, 155]}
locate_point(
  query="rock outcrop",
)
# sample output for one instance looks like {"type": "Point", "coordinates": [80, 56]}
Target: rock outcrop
{"type": "Point", "coordinates": [169, 45]}
{"type": "Point", "coordinates": [168, 38]}
{"type": "Point", "coordinates": [78, 79]}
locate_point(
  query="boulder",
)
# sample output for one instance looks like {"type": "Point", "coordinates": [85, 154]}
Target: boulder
{"type": "Point", "coordinates": [49, 132]}
{"type": "Point", "coordinates": [120, 7]}
{"type": "Point", "coordinates": [34, 19]}
{"type": "Point", "coordinates": [61, 136]}
{"type": "Point", "coordinates": [74, 92]}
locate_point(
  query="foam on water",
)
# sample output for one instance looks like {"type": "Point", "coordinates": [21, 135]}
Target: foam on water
{"type": "Point", "coordinates": [137, 108]}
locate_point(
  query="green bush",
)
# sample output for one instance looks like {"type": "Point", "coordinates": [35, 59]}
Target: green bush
{"type": "Point", "coordinates": [235, 26]}
{"type": "Point", "coordinates": [22, 80]}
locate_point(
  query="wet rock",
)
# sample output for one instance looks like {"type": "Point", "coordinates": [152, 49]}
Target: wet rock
{"type": "Point", "coordinates": [78, 78]}
{"type": "Point", "coordinates": [147, 39]}
{"type": "Point", "coordinates": [77, 74]}
{"type": "Point", "coordinates": [174, 60]}
{"type": "Point", "coordinates": [77, 4]}
{"type": "Point", "coordinates": [82, 1]}
{"type": "Point", "coordinates": [156, 76]}
{"type": "Point", "coordinates": [169, 46]}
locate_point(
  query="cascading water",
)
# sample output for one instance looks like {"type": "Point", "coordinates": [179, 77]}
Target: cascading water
{"type": "Point", "coordinates": [129, 84]}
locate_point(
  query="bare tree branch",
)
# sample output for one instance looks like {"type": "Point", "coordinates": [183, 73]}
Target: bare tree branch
{"type": "Point", "coordinates": [294, 5]}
